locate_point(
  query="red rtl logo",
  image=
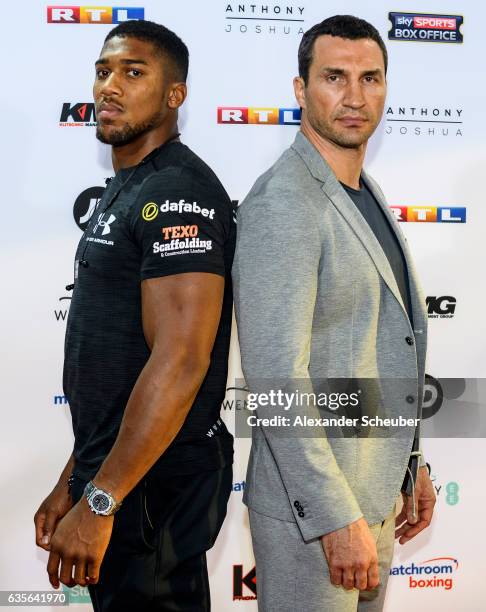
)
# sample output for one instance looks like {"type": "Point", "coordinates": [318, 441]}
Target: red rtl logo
{"type": "Point", "coordinates": [63, 14]}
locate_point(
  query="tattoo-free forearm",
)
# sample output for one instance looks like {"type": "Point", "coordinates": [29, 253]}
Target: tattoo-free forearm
{"type": "Point", "coordinates": [155, 412]}
{"type": "Point", "coordinates": [66, 472]}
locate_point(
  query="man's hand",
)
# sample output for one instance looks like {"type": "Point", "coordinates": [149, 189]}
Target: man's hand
{"type": "Point", "coordinates": [50, 512]}
{"type": "Point", "coordinates": [352, 557]}
{"type": "Point", "coordinates": [80, 543]}
{"type": "Point", "coordinates": [407, 525]}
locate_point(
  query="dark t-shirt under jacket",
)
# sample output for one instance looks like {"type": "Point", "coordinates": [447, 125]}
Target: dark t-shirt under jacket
{"type": "Point", "coordinates": [375, 217]}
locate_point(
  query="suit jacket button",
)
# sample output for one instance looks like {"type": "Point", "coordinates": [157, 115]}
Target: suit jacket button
{"type": "Point", "coordinates": [409, 340]}
{"type": "Point", "coordinates": [301, 514]}
{"type": "Point", "coordinates": [296, 504]}
{"type": "Point", "coordinates": [410, 399]}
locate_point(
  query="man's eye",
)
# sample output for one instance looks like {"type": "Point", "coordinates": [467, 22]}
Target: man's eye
{"type": "Point", "coordinates": [333, 78]}
{"type": "Point", "coordinates": [370, 79]}
{"type": "Point", "coordinates": [134, 72]}
{"type": "Point", "coordinates": [102, 74]}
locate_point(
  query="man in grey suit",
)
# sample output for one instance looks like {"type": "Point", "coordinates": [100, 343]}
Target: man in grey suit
{"type": "Point", "coordinates": [325, 288]}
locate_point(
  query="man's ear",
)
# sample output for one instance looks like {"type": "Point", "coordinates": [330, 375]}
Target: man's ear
{"type": "Point", "coordinates": [299, 90]}
{"type": "Point", "coordinates": [177, 95]}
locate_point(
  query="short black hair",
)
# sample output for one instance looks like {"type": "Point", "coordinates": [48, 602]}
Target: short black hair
{"type": "Point", "coordinates": [164, 40]}
{"type": "Point", "coordinates": [343, 26]}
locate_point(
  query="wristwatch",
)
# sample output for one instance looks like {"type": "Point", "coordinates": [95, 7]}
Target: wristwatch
{"type": "Point", "coordinates": [100, 501]}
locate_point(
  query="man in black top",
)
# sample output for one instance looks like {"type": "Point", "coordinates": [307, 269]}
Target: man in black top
{"type": "Point", "coordinates": [146, 350]}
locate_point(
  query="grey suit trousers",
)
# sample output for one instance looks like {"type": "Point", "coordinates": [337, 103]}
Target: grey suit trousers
{"type": "Point", "coordinates": [293, 576]}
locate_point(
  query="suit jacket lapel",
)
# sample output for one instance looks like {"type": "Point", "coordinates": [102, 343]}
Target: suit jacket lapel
{"type": "Point", "coordinates": [319, 168]}
{"type": "Point", "coordinates": [418, 302]}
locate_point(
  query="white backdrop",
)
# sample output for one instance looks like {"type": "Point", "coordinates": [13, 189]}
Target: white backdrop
{"type": "Point", "coordinates": [421, 160]}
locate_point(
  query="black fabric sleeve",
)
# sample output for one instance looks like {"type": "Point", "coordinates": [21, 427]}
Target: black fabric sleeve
{"type": "Point", "coordinates": [180, 226]}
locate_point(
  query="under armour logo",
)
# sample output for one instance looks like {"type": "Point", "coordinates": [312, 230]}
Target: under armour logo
{"type": "Point", "coordinates": [104, 224]}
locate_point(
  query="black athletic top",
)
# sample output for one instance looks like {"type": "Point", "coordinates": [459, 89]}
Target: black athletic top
{"type": "Point", "coordinates": [167, 215]}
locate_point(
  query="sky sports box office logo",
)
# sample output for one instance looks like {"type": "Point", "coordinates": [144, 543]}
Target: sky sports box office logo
{"type": "Point", "coordinates": [93, 14]}
{"type": "Point", "coordinates": [426, 28]}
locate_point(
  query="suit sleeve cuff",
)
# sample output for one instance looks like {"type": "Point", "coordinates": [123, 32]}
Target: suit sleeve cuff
{"type": "Point", "coordinates": [318, 526]}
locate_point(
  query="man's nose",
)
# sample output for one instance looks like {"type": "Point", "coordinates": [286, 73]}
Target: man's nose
{"type": "Point", "coordinates": [354, 97]}
{"type": "Point", "coordinates": [110, 86]}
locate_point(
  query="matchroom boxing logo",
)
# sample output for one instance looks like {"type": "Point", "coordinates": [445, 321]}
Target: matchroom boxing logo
{"type": "Point", "coordinates": [430, 574]}
{"type": "Point", "coordinates": [425, 28]}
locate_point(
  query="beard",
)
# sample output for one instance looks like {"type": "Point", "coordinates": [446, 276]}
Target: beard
{"type": "Point", "coordinates": [128, 133]}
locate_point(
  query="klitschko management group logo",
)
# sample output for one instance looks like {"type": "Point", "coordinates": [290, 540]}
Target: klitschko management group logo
{"type": "Point", "coordinates": [425, 28]}
{"type": "Point", "coordinates": [440, 307]}
{"type": "Point", "coordinates": [79, 114]}
{"type": "Point", "coordinates": [93, 14]}
{"type": "Point", "coordinates": [244, 585]}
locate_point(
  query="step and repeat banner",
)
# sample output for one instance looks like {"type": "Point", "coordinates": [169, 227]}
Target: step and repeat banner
{"type": "Point", "coordinates": [428, 155]}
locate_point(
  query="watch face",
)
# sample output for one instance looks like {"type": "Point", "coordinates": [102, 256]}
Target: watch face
{"type": "Point", "coordinates": [100, 502]}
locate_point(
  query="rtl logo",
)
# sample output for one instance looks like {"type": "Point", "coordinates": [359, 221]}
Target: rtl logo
{"type": "Point", "coordinates": [248, 580]}
{"type": "Point", "coordinates": [79, 114]}
{"type": "Point", "coordinates": [430, 214]}
{"type": "Point", "coordinates": [93, 14]}
{"type": "Point", "coordinates": [243, 115]}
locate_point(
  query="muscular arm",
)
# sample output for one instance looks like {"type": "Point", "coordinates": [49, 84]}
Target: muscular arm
{"type": "Point", "coordinates": [181, 315]}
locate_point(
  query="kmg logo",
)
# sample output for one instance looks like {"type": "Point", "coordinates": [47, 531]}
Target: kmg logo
{"type": "Point", "coordinates": [80, 114]}
{"type": "Point", "coordinates": [241, 580]}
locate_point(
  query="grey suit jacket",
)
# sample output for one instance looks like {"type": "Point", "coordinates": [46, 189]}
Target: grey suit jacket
{"type": "Point", "coordinates": [315, 297]}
